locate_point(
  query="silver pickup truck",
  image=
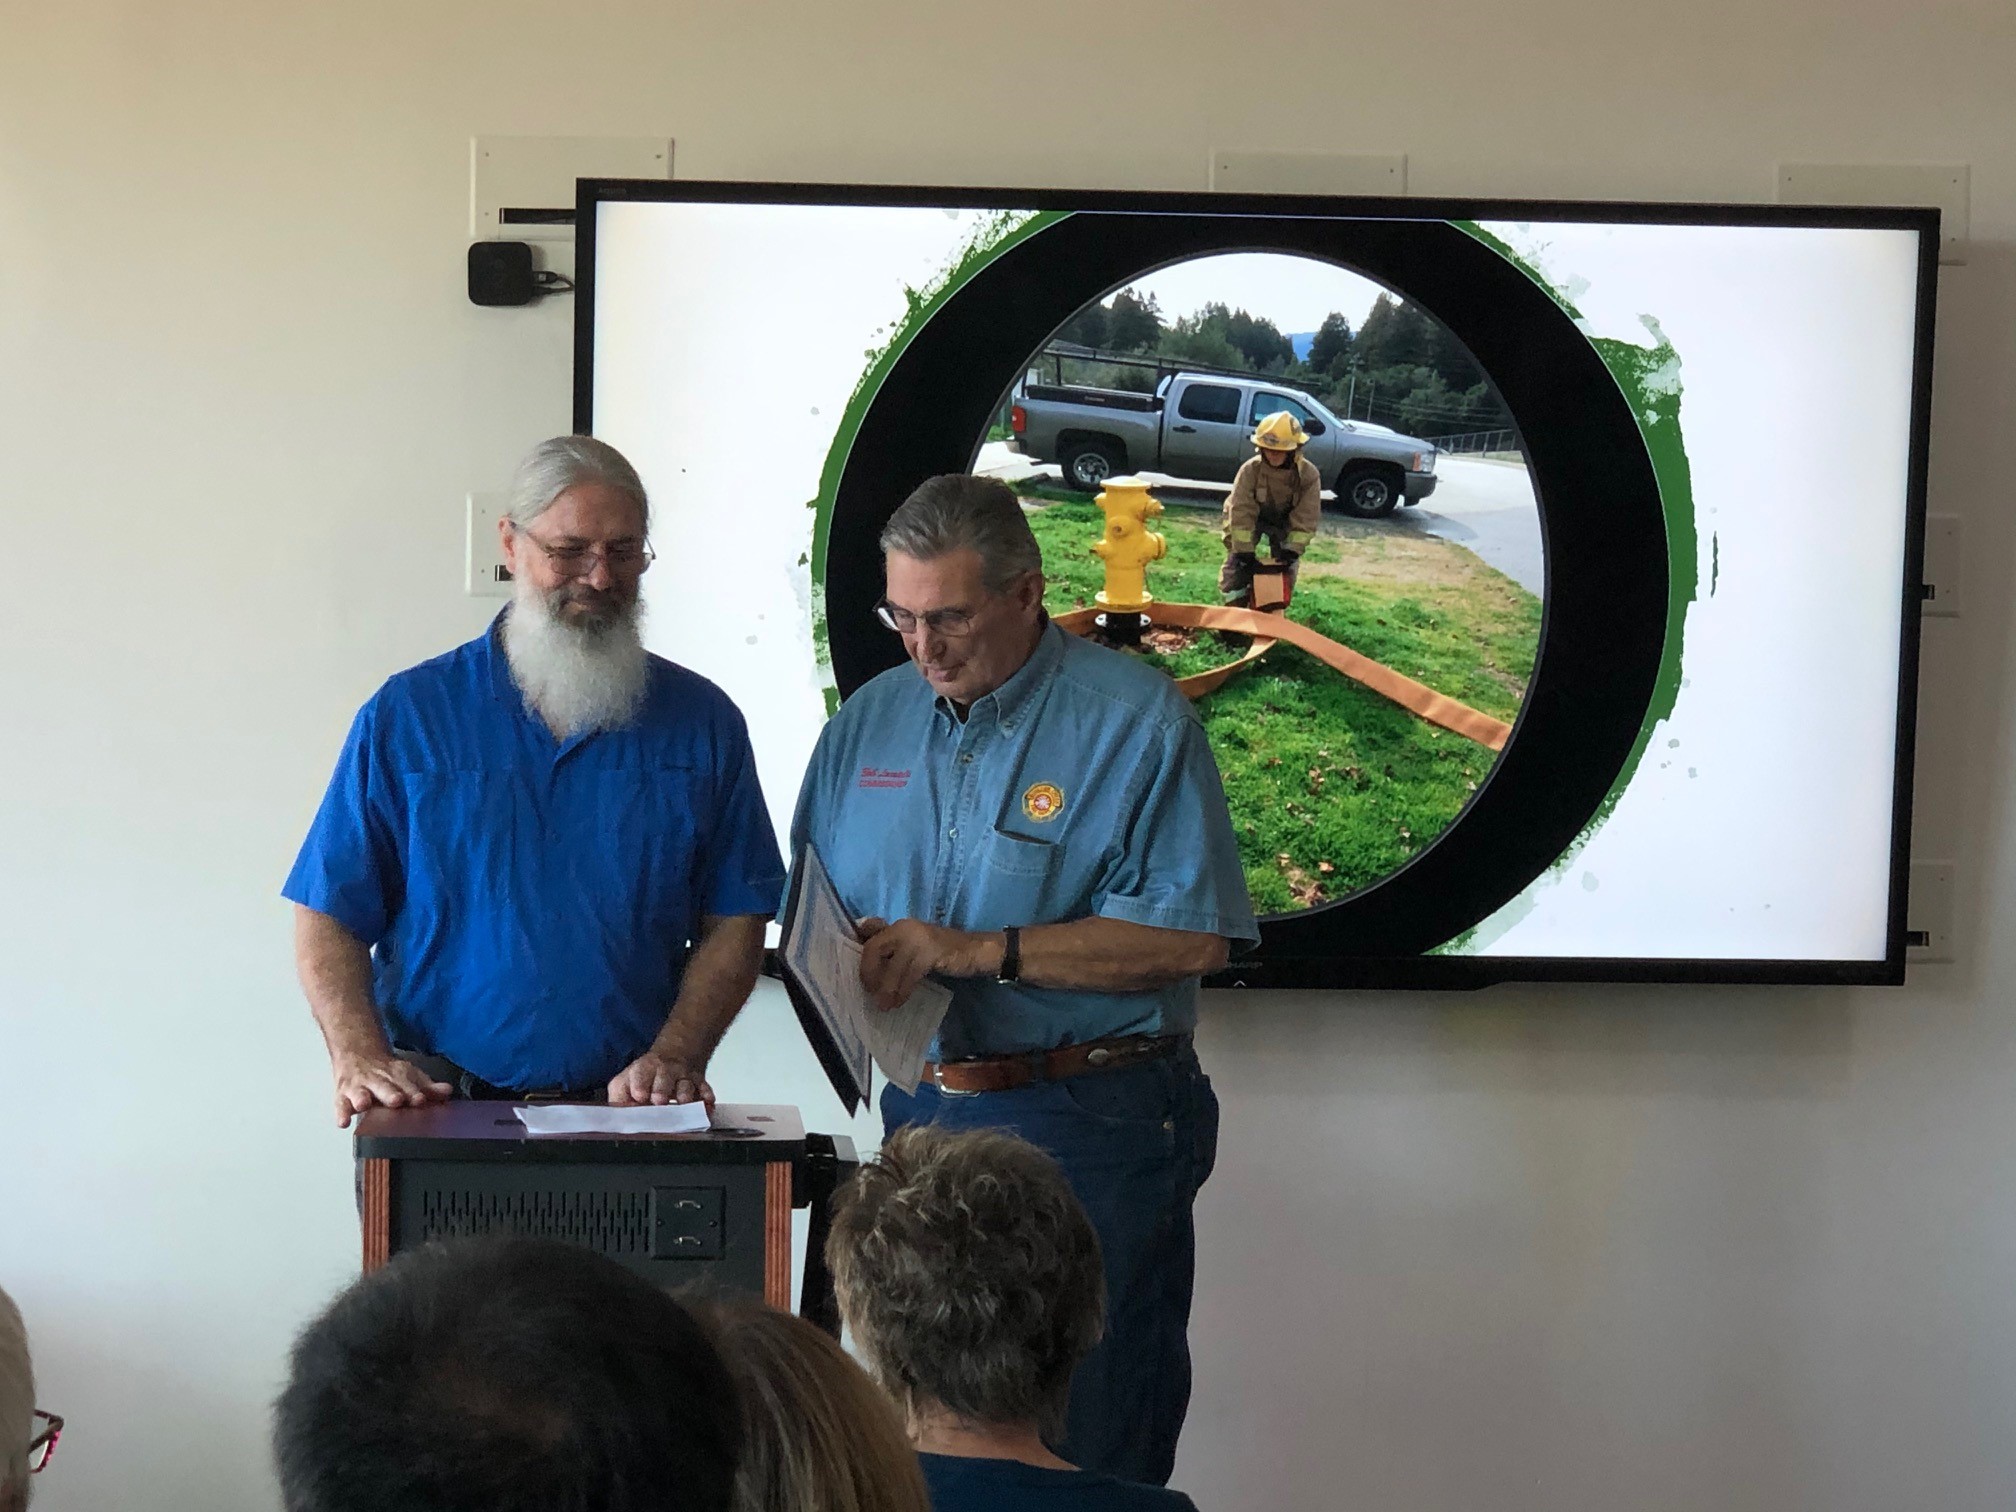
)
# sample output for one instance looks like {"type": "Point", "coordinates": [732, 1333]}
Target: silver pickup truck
{"type": "Point", "coordinates": [1199, 426]}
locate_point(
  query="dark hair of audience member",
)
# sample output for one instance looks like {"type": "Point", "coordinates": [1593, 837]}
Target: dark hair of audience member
{"type": "Point", "coordinates": [970, 1276]}
{"type": "Point", "coordinates": [506, 1375]}
{"type": "Point", "coordinates": [817, 1434]}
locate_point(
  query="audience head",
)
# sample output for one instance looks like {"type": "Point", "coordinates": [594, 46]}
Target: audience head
{"type": "Point", "coordinates": [970, 1276]}
{"type": "Point", "coordinates": [506, 1375]}
{"type": "Point", "coordinates": [17, 1407]}
{"type": "Point", "coordinates": [818, 1434]}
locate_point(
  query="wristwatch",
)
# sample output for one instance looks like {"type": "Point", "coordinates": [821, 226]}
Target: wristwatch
{"type": "Point", "coordinates": [1011, 956]}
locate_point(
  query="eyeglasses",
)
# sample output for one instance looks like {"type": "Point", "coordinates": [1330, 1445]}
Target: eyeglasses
{"type": "Point", "coordinates": [624, 558]}
{"type": "Point", "coordinates": [42, 1447]}
{"type": "Point", "coordinates": [947, 622]}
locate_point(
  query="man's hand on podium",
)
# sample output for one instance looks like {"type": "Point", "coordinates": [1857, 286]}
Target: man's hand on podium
{"type": "Point", "coordinates": [658, 1078]}
{"type": "Point", "coordinates": [366, 1080]}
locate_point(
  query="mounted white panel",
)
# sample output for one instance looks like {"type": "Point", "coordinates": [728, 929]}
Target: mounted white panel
{"type": "Point", "coordinates": [1308, 172]}
{"type": "Point", "coordinates": [522, 188]}
{"type": "Point", "coordinates": [483, 574]}
{"type": "Point", "coordinates": [1941, 184]}
{"type": "Point", "coordinates": [1942, 572]}
{"type": "Point", "coordinates": [1928, 913]}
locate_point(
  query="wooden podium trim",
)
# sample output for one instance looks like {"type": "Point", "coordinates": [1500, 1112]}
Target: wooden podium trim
{"type": "Point", "coordinates": [777, 1234]}
{"type": "Point", "coordinates": [376, 1211]}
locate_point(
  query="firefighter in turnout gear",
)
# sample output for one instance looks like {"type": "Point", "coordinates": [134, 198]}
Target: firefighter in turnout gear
{"type": "Point", "coordinates": [1277, 494]}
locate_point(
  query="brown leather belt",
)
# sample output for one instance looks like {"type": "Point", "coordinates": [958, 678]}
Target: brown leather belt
{"type": "Point", "coordinates": [1002, 1073]}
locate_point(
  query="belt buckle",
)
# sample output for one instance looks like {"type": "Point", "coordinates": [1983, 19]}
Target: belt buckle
{"type": "Point", "coordinates": [938, 1081]}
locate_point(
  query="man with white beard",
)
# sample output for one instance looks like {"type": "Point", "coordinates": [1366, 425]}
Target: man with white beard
{"type": "Point", "coordinates": [543, 864]}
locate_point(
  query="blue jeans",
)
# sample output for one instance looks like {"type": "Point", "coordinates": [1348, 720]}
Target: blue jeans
{"type": "Point", "coordinates": [1136, 1144]}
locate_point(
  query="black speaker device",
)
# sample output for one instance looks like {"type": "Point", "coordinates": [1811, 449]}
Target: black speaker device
{"type": "Point", "coordinates": [500, 273]}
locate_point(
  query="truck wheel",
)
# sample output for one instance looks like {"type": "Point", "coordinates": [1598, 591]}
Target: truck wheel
{"type": "Point", "coordinates": [1088, 464]}
{"type": "Point", "coordinates": [1369, 493]}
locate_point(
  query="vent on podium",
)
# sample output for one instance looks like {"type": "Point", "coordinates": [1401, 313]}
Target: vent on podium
{"type": "Point", "coordinates": [612, 1223]}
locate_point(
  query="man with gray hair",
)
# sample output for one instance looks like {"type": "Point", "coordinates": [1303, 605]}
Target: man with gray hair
{"type": "Point", "coordinates": [1038, 821]}
{"type": "Point", "coordinates": [543, 864]}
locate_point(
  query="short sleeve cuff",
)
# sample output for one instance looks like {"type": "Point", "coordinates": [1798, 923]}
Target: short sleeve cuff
{"type": "Point", "coordinates": [1172, 916]}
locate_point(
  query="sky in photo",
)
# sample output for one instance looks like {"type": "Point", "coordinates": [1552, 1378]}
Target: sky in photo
{"type": "Point", "coordinates": [1293, 292]}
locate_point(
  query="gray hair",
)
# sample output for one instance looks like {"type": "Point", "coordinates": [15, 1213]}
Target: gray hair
{"type": "Point", "coordinates": [959, 512]}
{"type": "Point", "coordinates": [970, 1275]}
{"type": "Point", "coordinates": [17, 1403]}
{"type": "Point", "coordinates": [552, 467]}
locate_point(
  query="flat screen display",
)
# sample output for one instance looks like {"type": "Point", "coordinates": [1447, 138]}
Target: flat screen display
{"type": "Point", "coordinates": [1601, 663]}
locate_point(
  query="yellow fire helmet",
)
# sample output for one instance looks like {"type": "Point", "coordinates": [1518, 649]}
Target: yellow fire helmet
{"type": "Point", "coordinates": [1280, 432]}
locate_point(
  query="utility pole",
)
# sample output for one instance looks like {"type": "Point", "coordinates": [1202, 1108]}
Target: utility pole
{"type": "Point", "coordinates": [1351, 397]}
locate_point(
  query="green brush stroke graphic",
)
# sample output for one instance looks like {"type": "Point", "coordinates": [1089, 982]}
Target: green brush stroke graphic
{"type": "Point", "coordinates": [995, 234]}
{"type": "Point", "coordinates": [1649, 378]}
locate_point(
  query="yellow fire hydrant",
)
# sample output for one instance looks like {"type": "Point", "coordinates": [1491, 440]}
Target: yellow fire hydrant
{"type": "Point", "coordinates": [1128, 545]}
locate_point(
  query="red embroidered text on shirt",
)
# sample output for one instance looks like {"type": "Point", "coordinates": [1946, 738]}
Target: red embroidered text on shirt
{"type": "Point", "coordinates": [882, 777]}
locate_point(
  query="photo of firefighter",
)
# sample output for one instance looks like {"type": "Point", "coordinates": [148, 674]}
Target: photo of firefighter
{"type": "Point", "coordinates": [1298, 494]}
{"type": "Point", "coordinates": [1276, 500]}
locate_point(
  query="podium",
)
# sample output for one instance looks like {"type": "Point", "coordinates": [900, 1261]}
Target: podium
{"type": "Point", "coordinates": [711, 1208]}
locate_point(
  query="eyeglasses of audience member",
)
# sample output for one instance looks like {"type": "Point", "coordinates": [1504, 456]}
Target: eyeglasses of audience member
{"type": "Point", "coordinates": [42, 1447]}
{"type": "Point", "coordinates": [817, 1434]}
{"type": "Point", "coordinates": [506, 1375]}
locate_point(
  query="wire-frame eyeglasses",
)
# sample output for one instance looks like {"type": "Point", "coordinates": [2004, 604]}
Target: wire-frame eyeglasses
{"type": "Point", "coordinates": [42, 1447]}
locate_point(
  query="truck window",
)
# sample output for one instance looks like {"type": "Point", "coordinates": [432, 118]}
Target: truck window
{"type": "Point", "coordinates": [1265, 404]}
{"type": "Point", "coordinates": [1210, 401]}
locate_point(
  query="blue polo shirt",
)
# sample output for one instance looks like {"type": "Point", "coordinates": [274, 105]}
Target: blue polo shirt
{"type": "Point", "coordinates": [531, 902]}
{"type": "Point", "coordinates": [1083, 786]}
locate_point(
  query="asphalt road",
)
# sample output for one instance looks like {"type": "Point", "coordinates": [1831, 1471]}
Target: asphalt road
{"type": "Point", "coordinates": [1486, 507]}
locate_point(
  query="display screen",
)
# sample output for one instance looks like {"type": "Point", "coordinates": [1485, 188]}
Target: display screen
{"type": "Point", "coordinates": [1600, 660]}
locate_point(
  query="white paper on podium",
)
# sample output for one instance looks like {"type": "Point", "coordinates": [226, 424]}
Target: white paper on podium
{"type": "Point", "coordinates": [591, 1118]}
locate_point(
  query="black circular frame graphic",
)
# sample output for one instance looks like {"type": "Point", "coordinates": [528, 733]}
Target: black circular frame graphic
{"type": "Point", "coordinates": [1604, 618]}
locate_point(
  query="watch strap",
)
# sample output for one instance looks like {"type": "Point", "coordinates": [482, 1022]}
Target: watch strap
{"type": "Point", "coordinates": [1011, 955]}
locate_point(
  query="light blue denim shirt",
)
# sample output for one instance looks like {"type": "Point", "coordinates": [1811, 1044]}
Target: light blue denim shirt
{"type": "Point", "coordinates": [1083, 786]}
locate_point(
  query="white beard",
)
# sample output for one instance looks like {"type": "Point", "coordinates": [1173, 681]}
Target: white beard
{"type": "Point", "coordinates": [576, 677]}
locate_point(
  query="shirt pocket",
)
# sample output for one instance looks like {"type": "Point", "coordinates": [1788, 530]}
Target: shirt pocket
{"type": "Point", "coordinates": [462, 832]}
{"type": "Point", "coordinates": [650, 823]}
{"type": "Point", "coordinates": [1017, 886]}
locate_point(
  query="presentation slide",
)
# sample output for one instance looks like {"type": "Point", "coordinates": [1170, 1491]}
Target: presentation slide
{"type": "Point", "coordinates": [1633, 497]}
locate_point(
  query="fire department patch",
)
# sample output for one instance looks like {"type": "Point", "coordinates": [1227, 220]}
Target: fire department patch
{"type": "Point", "coordinates": [1043, 802]}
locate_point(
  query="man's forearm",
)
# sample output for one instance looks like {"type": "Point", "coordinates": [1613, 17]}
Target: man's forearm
{"type": "Point", "coordinates": [1104, 955]}
{"type": "Point", "coordinates": [335, 971]}
{"type": "Point", "coordinates": [719, 976]}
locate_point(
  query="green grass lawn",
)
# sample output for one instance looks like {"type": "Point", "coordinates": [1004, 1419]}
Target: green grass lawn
{"type": "Point", "coordinates": [1331, 786]}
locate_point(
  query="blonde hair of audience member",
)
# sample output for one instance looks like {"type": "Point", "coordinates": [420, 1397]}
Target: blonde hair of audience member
{"type": "Point", "coordinates": [970, 1276]}
{"type": "Point", "coordinates": [17, 1406]}
{"type": "Point", "coordinates": [818, 1434]}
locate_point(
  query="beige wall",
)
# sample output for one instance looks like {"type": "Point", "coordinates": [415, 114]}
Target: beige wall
{"type": "Point", "coordinates": [1566, 1251]}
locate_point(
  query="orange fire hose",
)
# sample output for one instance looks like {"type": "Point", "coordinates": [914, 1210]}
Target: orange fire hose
{"type": "Point", "coordinates": [1266, 629]}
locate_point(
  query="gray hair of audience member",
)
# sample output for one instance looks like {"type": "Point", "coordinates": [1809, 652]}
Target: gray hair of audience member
{"type": "Point", "coordinates": [554, 466]}
{"type": "Point", "coordinates": [818, 1435]}
{"type": "Point", "coordinates": [959, 512]}
{"type": "Point", "coordinates": [17, 1405]}
{"type": "Point", "coordinates": [970, 1275]}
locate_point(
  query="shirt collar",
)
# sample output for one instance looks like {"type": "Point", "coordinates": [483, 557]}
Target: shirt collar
{"type": "Point", "coordinates": [1013, 695]}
